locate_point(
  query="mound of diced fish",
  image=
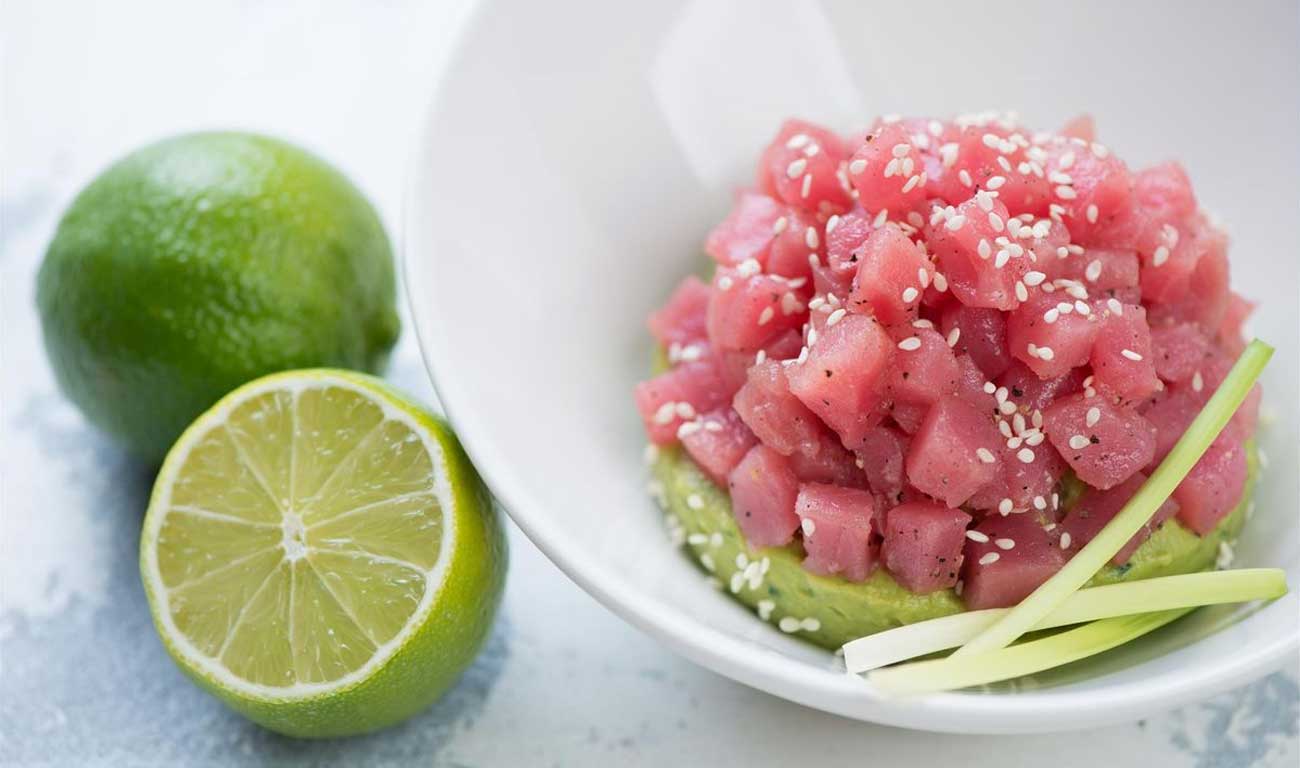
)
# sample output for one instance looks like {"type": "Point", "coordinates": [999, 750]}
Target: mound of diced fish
{"type": "Point", "coordinates": [914, 333]}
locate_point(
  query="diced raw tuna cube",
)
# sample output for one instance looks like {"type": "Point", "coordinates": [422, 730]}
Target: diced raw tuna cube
{"type": "Point", "coordinates": [718, 443]}
{"type": "Point", "coordinates": [1031, 393]}
{"type": "Point", "coordinates": [923, 545]}
{"type": "Point", "coordinates": [1102, 442]}
{"type": "Point", "coordinates": [985, 165]}
{"type": "Point", "coordinates": [1179, 351]}
{"type": "Point", "coordinates": [1169, 252]}
{"type": "Point", "coordinates": [832, 464]}
{"type": "Point", "coordinates": [981, 333]}
{"type": "Point", "coordinates": [799, 237]}
{"type": "Point", "coordinates": [1099, 269]}
{"type": "Point", "coordinates": [1123, 362]}
{"type": "Point", "coordinates": [954, 453]}
{"type": "Point", "coordinates": [735, 364]}
{"type": "Point", "coordinates": [1213, 487]}
{"type": "Point", "coordinates": [995, 576]}
{"type": "Point", "coordinates": [763, 491]}
{"type": "Point", "coordinates": [778, 418]}
{"type": "Point", "coordinates": [684, 319]}
{"type": "Point", "coordinates": [1234, 317]}
{"type": "Point", "coordinates": [672, 398]}
{"type": "Point", "coordinates": [1028, 485]}
{"type": "Point", "coordinates": [966, 248]}
{"type": "Point", "coordinates": [1164, 192]}
{"type": "Point", "coordinates": [1099, 189]}
{"type": "Point", "coordinates": [882, 453]}
{"type": "Point", "coordinates": [801, 167]}
{"type": "Point", "coordinates": [747, 312]}
{"type": "Point", "coordinates": [845, 234]}
{"type": "Point", "coordinates": [923, 369]}
{"type": "Point", "coordinates": [886, 171]}
{"type": "Point", "coordinates": [1096, 508]}
{"type": "Point", "coordinates": [1171, 415]}
{"type": "Point", "coordinates": [892, 274]}
{"type": "Point", "coordinates": [842, 378]}
{"type": "Point", "coordinates": [1050, 334]}
{"type": "Point", "coordinates": [908, 416]}
{"type": "Point", "coordinates": [747, 231]}
{"type": "Point", "coordinates": [1206, 298]}
{"type": "Point", "coordinates": [838, 524]}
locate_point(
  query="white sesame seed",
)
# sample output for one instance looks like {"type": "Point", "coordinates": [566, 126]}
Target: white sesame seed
{"type": "Point", "coordinates": [1001, 394]}
{"type": "Point", "coordinates": [1033, 278]}
{"type": "Point", "coordinates": [996, 222]}
{"type": "Point", "coordinates": [948, 154]}
{"type": "Point", "coordinates": [891, 168]}
{"type": "Point", "coordinates": [706, 560]}
{"type": "Point", "coordinates": [1026, 456]}
{"type": "Point", "coordinates": [1093, 271]}
{"type": "Point", "coordinates": [1062, 252]}
{"type": "Point", "coordinates": [1079, 442]}
{"type": "Point", "coordinates": [1005, 543]}
{"type": "Point", "coordinates": [1007, 407]}
{"type": "Point", "coordinates": [977, 536]}
{"type": "Point", "coordinates": [1160, 256]}
{"type": "Point", "coordinates": [1066, 193]}
{"type": "Point", "coordinates": [881, 218]}
{"type": "Point", "coordinates": [789, 624]}
{"type": "Point", "coordinates": [810, 624]}
{"type": "Point", "coordinates": [1004, 428]}
{"type": "Point", "coordinates": [953, 336]}
{"type": "Point", "coordinates": [984, 249]}
{"type": "Point", "coordinates": [766, 315]}
{"type": "Point", "coordinates": [996, 182]}
{"type": "Point", "coordinates": [910, 294]}
{"type": "Point", "coordinates": [1005, 506]}
{"type": "Point", "coordinates": [923, 277]}
{"type": "Point", "coordinates": [1040, 503]}
{"type": "Point", "coordinates": [1036, 418]}
{"type": "Point", "coordinates": [724, 283]}
{"type": "Point", "coordinates": [989, 558]}
{"type": "Point", "coordinates": [1051, 315]}
{"type": "Point", "coordinates": [989, 387]}
{"type": "Point", "coordinates": [1198, 382]}
{"type": "Point", "coordinates": [857, 166]}
{"type": "Point", "coordinates": [695, 501]}
{"type": "Point", "coordinates": [798, 140]}
{"type": "Point", "coordinates": [807, 185]}
{"type": "Point", "coordinates": [697, 539]}
{"type": "Point", "coordinates": [964, 177]}
{"type": "Point", "coordinates": [1031, 349]}
{"type": "Point", "coordinates": [1094, 416]}
{"type": "Point", "coordinates": [1067, 160]}
{"type": "Point", "coordinates": [748, 268]}
{"type": "Point", "coordinates": [900, 150]}
{"type": "Point", "coordinates": [1004, 164]}
{"type": "Point", "coordinates": [922, 323]}
{"type": "Point", "coordinates": [940, 282]}
{"type": "Point", "coordinates": [765, 608]}
{"type": "Point", "coordinates": [985, 455]}
{"type": "Point", "coordinates": [835, 317]}
{"type": "Point", "coordinates": [796, 168]}
{"type": "Point", "coordinates": [1091, 213]}
{"type": "Point", "coordinates": [810, 238]}
{"type": "Point", "coordinates": [911, 183]}
{"type": "Point", "coordinates": [1099, 150]}
{"type": "Point", "coordinates": [955, 223]}
{"type": "Point", "coordinates": [1131, 355]}
{"type": "Point", "coordinates": [910, 344]}
{"type": "Point", "coordinates": [1082, 308]}
{"type": "Point", "coordinates": [808, 525]}
{"type": "Point", "coordinates": [1046, 353]}
{"type": "Point", "coordinates": [1018, 423]}
{"type": "Point", "coordinates": [1065, 540]}
{"type": "Point", "coordinates": [1002, 258]}
{"type": "Point", "coordinates": [1115, 306]}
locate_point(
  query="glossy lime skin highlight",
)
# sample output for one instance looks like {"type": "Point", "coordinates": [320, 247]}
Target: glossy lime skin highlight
{"type": "Point", "coordinates": [204, 261]}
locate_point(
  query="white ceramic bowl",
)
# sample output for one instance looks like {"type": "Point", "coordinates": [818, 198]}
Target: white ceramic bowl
{"type": "Point", "coordinates": [575, 155]}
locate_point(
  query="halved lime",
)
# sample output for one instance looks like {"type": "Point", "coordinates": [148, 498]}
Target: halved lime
{"type": "Point", "coordinates": [320, 554]}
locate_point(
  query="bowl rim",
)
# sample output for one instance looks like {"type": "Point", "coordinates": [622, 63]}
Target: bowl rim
{"type": "Point", "coordinates": [1041, 711]}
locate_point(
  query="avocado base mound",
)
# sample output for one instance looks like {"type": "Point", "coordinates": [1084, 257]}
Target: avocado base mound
{"type": "Point", "coordinates": [778, 587]}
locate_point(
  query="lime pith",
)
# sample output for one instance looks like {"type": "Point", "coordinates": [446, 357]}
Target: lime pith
{"type": "Point", "coordinates": [320, 554]}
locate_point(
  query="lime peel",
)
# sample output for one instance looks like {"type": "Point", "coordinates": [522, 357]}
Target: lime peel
{"type": "Point", "coordinates": [1125, 598]}
{"type": "Point", "coordinates": [1186, 452]}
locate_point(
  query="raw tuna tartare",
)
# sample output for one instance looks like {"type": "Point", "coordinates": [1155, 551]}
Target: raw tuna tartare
{"type": "Point", "coordinates": [934, 359]}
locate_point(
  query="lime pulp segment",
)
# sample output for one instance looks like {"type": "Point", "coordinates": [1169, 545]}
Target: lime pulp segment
{"type": "Point", "coordinates": [298, 535]}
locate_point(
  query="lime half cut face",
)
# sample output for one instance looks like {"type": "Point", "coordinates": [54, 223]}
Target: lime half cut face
{"type": "Point", "coordinates": [300, 534]}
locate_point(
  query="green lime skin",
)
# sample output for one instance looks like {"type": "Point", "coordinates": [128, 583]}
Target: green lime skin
{"type": "Point", "coordinates": [202, 262]}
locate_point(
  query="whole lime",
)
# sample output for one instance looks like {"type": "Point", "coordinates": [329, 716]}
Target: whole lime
{"type": "Point", "coordinates": [202, 262]}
